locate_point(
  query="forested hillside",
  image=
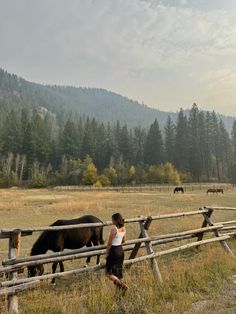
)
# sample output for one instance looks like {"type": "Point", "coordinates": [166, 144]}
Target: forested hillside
{"type": "Point", "coordinates": [64, 101]}
{"type": "Point", "coordinates": [36, 151]}
{"type": "Point", "coordinates": [17, 93]}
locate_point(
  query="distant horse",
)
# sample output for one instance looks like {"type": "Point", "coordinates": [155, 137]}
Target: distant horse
{"type": "Point", "coordinates": [179, 189]}
{"type": "Point", "coordinates": [220, 191]}
{"type": "Point", "coordinates": [213, 191]}
{"type": "Point", "coordinates": [58, 240]}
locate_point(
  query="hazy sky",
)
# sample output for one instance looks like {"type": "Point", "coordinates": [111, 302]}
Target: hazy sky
{"type": "Point", "coordinates": [166, 53]}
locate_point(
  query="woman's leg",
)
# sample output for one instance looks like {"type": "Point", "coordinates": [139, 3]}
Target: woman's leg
{"type": "Point", "coordinates": [113, 278]}
{"type": "Point", "coordinates": [117, 282]}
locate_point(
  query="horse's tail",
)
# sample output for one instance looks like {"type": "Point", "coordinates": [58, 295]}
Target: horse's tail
{"type": "Point", "coordinates": [101, 240]}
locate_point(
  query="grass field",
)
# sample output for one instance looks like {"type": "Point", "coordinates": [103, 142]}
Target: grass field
{"type": "Point", "coordinates": [194, 282]}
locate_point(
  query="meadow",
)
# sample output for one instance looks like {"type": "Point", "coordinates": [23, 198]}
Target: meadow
{"type": "Point", "coordinates": [194, 281]}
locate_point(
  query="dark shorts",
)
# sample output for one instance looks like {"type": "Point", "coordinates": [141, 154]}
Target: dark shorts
{"type": "Point", "coordinates": [114, 263]}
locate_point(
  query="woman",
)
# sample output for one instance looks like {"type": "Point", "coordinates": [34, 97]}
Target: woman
{"type": "Point", "coordinates": [115, 253]}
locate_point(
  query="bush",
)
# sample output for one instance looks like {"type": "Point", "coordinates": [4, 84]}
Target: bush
{"type": "Point", "coordinates": [38, 182]}
{"type": "Point", "coordinates": [90, 174]}
{"type": "Point", "coordinates": [155, 174]}
{"type": "Point", "coordinates": [111, 174]}
{"type": "Point", "coordinates": [97, 184]}
{"type": "Point", "coordinates": [104, 181]}
{"type": "Point", "coordinates": [171, 175]}
{"type": "Point", "coordinates": [9, 181]}
{"type": "Point", "coordinates": [163, 174]}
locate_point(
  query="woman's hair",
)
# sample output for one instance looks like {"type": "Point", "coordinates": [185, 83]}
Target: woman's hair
{"type": "Point", "coordinates": [119, 221]}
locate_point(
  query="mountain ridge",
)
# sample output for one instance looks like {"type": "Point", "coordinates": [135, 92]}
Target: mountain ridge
{"type": "Point", "coordinates": [17, 92]}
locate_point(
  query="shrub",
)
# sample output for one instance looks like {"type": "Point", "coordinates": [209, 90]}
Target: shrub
{"type": "Point", "coordinates": [90, 174]}
{"type": "Point", "coordinates": [97, 184]}
{"type": "Point", "coordinates": [111, 174]}
{"type": "Point", "coordinates": [171, 174]}
{"type": "Point", "coordinates": [38, 182]}
{"type": "Point", "coordinates": [104, 181]}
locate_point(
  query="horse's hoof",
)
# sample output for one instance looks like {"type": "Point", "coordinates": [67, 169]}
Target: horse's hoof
{"type": "Point", "coordinates": [53, 284]}
{"type": "Point", "coordinates": [85, 265]}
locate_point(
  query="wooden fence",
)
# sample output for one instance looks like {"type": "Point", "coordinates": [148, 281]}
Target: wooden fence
{"type": "Point", "coordinates": [12, 285]}
{"type": "Point", "coordinates": [144, 188]}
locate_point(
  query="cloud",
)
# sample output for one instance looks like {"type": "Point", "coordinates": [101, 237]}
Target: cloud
{"type": "Point", "coordinates": [136, 47]}
{"type": "Point", "coordinates": [224, 77]}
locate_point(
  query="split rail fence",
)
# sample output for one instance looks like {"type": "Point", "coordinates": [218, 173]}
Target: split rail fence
{"type": "Point", "coordinates": [144, 187]}
{"type": "Point", "coordinates": [11, 284]}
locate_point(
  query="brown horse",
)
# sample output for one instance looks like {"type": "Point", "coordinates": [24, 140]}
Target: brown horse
{"type": "Point", "coordinates": [220, 191]}
{"type": "Point", "coordinates": [59, 240]}
{"type": "Point", "coordinates": [213, 191]}
{"type": "Point", "coordinates": [179, 189]}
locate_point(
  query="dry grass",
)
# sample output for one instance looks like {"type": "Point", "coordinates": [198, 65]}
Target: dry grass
{"type": "Point", "coordinates": [188, 278]}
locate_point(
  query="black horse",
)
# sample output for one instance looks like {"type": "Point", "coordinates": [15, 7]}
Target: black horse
{"type": "Point", "coordinates": [179, 189]}
{"type": "Point", "coordinates": [59, 240]}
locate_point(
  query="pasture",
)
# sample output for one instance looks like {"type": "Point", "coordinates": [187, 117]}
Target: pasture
{"type": "Point", "coordinates": [194, 282]}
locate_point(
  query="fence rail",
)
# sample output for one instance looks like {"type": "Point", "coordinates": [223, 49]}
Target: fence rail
{"type": "Point", "coordinates": [13, 285]}
{"type": "Point", "coordinates": [28, 231]}
{"type": "Point", "coordinates": [145, 187]}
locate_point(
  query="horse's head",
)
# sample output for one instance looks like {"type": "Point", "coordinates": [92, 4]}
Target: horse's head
{"type": "Point", "coordinates": [34, 271]}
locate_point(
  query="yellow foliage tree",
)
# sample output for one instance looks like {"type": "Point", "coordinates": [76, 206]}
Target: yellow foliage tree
{"type": "Point", "coordinates": [171, 174]}
{"type": "Point", "coordinates": [90, 174]}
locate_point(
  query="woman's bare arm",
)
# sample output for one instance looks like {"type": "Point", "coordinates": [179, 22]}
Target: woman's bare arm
{"type": "Point", "coordinates": [111, 237]}
{"type": "Point", "coordinates": [123, 239]}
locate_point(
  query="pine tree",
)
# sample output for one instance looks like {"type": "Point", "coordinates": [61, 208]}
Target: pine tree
{"type": "Point", "coordinates": [225, 150]}
{"type": "Point", "coordinates": [11, 134]}
{"type": "Point", "coordinates": [89, 143]}
{"type": "Point", "coordinates": [194, 144]}
{"type": "Point", "coordinates": [100, 155]}
{"type": "Point", "coordinates": [41, 139]}
{"type": "Point", "coordinates": [169, 140]}
{"type": "Point", "coordinates": [28, 148]}
{"type": "Point", "coordinates": [154, 145]}
{"type": "Point", "coordinates": [233, 134]}
{"type": "Point", "coordinates": [181, 143]}
{"type": "Point", "coordinates": [215, 140]}
{"type": "Point", "coordinates": [138, 145]}
{"type": "Point", "coordinates": [69, 145]}
{"type": "Point", "coordinates": [124, 144]}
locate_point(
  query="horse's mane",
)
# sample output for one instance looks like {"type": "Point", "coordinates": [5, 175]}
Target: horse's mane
{"type": "Point", "coordinates": [40, 245]}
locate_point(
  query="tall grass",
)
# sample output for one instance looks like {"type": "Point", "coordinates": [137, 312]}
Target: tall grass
{"type": "Point", "coordinates": [187, 279]}
{"type": "Point", "coordinates": [190, 277]}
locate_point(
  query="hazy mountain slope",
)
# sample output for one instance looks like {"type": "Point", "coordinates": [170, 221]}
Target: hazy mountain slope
{"type": "Point", "coordinates": [16, 92]}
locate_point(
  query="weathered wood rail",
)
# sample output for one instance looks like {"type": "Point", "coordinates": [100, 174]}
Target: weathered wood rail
{"type": "Point", "coordinates": [188, 187]}
{"type": "Point", "coordinates": [229, 227]}
{"type": "Point", "coordinates": [14, 264]}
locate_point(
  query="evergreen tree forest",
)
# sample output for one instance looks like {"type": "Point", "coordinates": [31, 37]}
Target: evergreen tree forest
{"type": "Point", "coordinates": [36, 151]}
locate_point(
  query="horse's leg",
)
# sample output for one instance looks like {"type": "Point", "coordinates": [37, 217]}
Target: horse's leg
{"type": "Point", "coordinates": [54, 267]}
{"type": "Point", "coordinates": [88, 258]}
{"type": "Point", "coordinates": [61, 266]}
{"type": "Point", "coordinates": [96, 242]}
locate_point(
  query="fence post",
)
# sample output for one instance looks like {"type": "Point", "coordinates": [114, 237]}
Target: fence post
{"type": "Point", "coordinates": [205, 223]}
{"type": "Point", "coordinates": [136, 248]}
{"type": "Point", "coordinates": [208, 221]}
{"type": "Point", "coordinates": [13, 252]}
{"type": "Point", "coordinates": [155, 268]}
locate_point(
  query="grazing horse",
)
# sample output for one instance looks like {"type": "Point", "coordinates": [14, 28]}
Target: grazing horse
{"type": "Point", "coordinates": [179, 189]}
{"type": "Point", "coordinates": [58, 240]}
{"type": "Point", "coordinates": [220, 191]}
{"type": "Point", "coordinates": [213, 191]}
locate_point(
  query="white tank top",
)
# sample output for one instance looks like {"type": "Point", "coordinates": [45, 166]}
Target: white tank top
{"type": "Point", "coordinates": [117, 240]}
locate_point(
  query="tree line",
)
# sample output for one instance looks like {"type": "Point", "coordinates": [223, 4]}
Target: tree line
{"type": "Point", "coordinates": [35, 150]}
